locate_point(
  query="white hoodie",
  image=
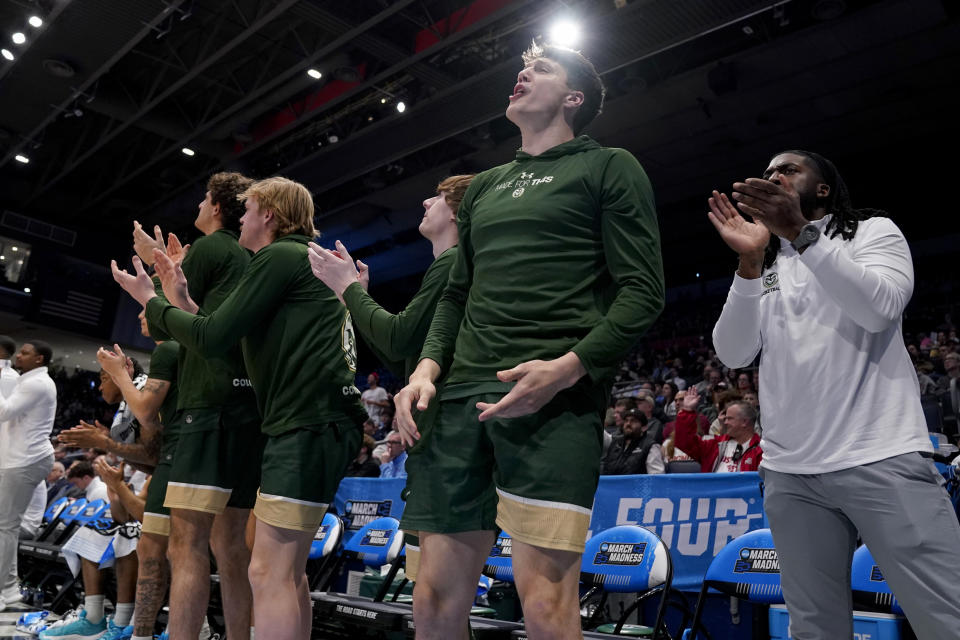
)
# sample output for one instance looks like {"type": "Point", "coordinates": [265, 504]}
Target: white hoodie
{"type": "Point", "coordinates": [837, 386]}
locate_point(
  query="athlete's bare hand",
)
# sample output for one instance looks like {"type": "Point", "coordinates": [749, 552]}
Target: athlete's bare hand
{"type": "Point", "coordinates": [335, 271]}
{"type": "Point", "coordinates": [538, 381]}
{"type": "Point", "coordinates": [86, 435]}
{"type": "Point", "coordinates": [144, 244]}
{"type": "Point", "coordinates": [175, 250]}
{"type": "Point", "coordinates": [419, 391]}
{"type": "Point", "coordinates": [115, 362]}
{"type": "Point", "coordinates": [139, 285]}
{"type": "Point", "coordinates": [111, 476]}
{"type": "Point", "coordinates": [174, 283]}
{"type": "Point", "coordinates": [364, 276]}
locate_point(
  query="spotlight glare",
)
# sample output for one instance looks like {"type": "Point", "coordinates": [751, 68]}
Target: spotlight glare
{"type": "Point", "coordinates": [14, 249]}
{"type": "Point", "coordinates": [187, 151]}
{"type": "Point", "coordinates": [401, 107]}
{"type": "Point", "coordinates": [565, 33]}
{"type": "Point", "coordinates": [35, 21]}
{"type": "Point", "coordinates": [21, 158]}
{"type": "Point", "coordinates": [7, 54]}
{"type": "Point", "coordinates": [26, 289]}
{"type": "Point", "coordinates": [383, 101]}
{"type": "Point", "coordinates": [19, 38]}
{"type": "Point", "coordinates": [313, 73]}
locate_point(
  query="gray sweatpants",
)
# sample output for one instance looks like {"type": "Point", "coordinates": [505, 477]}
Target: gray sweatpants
{"type": "Point", "coordinates": [905, 518]}
{"type": "Point", "coordinates": [16, 489]}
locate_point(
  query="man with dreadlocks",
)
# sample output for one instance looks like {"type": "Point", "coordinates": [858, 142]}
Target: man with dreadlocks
{"type": "Point", "coordinates": [844, 440]}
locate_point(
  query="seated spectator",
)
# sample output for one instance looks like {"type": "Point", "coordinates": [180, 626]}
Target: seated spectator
{"type": "Point", "coordinates": [365, 465]}
{"type": "Point", "coordinates": [744, 383]}
{"type": "Point", "coordinates": [634, 450]}
{"type": "Point", "coordinates": [720, 401]}
{"type": "Point", "coordinates": [669, 392]}
{"type": "Point", "coordinates": [81, 475]}
{"type": "Point", "coordinates": [393, 463]}
{"type": "Point", "coordinates": [620, 408]}
{"type": "Point", "coordinates": [646, 405]}
{"type": "Point", "coordinates": [948, 390]}
{"type": "Point", "coordinates": [57, 485]}
{"type": "Point", "coordinates": [738, 449]}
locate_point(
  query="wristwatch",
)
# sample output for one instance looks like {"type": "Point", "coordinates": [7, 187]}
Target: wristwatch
{"type": "Point", "coordinates": [809, 234]}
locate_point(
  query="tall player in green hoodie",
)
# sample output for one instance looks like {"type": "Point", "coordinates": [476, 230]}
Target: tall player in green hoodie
{"type": "Point", "coordinates": [558, 273]}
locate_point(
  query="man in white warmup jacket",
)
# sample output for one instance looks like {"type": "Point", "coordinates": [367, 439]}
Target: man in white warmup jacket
{"type": "Point", "coordinates": [819, 295]}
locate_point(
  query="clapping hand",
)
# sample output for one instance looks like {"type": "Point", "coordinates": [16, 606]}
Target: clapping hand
{"type": "Point", "coordinates": [139, 285]}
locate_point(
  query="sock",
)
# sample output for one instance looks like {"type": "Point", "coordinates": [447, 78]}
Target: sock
{"type": "Point", "coordinates": [93, 605]}
{"type": "Point", "coordinates": [142, 638]}
{"type": "Point", "coordinates": [123, 615]}
{"type": "Point", "coordinates": [251, 633]}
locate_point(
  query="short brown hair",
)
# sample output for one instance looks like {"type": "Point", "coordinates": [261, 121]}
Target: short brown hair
{"type": "Point", "coordinates": [453, 189]}
{"type": "Point", "coordinates": [223, 188]}
{"type": "Point", "coordinates": [368, 443]}
{"type": "Point", "coordinates": [290, 202]}
{"type": "Point", "coordinates": [80, 469]}
{"type": "Point", "coordinates": [581, 76]}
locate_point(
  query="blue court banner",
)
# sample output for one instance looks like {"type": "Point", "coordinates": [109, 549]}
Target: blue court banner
{"type": "Point", "coordinates": [362, 500]}
{"type": "Point", "coordinates": [696, 514]}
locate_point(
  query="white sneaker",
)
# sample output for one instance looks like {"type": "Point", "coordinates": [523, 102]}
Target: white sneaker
{"type": "Point", "coordinates": [11, 594]}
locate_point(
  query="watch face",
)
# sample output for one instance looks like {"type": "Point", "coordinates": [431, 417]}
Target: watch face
{"type": "Point", "coordinates": [810, 234]}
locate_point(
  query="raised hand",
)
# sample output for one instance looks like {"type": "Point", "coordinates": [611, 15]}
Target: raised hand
{"type": "Point", "coordinates": [144, 244]}
{"type": "Point", "coordinates": [690, 401]}
{"type": "Point", "coordinates": [364, 276]}
{"type": "Point", "coordinates": [113, 362]}
{"type": "Point", "coordinates": [776, 206]}
{"type": "Point", "coordinates": [746, 238]}
{"type": "Point", "coordinates": [139, 285]}
{"type": "Point", "coordinates": [174, 283]}
{"type": "Point", "coordinates": [85, 435]}
{"type": "Point", "coordinates": [175, 250]}
{"type": "Point", "coordinates": [335, 271]}
{"type": "Point", "coordinates": [112, 476]}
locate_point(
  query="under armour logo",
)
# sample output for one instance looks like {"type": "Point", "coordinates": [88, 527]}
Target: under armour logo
{"type": "Point", "coordinates": [524, 176]}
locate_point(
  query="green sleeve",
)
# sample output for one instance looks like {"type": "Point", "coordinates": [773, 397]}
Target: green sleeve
{"type": "Point", "coordinates": [442, 336]}
{"type": "Point", "coordinates": [398, 336]}
{"type": "Point", "coordinates": [256, 295]}
{"type": "Point", "coordinates": [156, 332]}
{"type": "Point", "coordinates": [631, 247]}
{"type": "Point", "coordinates": [163, 361]}
{"type": "Point", "coordinates": [197, 269]}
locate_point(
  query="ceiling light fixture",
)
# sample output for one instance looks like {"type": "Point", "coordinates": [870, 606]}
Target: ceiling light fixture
{"type": "Point", "coordinates": [565, 33]}
{"type": "Point", "coordinates": [26, 289]}
{"type": "Point", "coordinates": [401, 107]}
{"type": "Point", "coordinates": [6, 53]}
{"type": "Point", "coordinates": [35, 21]}
{"type": "Point", "coordinates": [313, 73]}
{"type": "Point", "coordinates": [21, 158]}
{"type": "Point", "coordinates": [18, 38]}
{"type": "Point", "coordinates": [187, 151]}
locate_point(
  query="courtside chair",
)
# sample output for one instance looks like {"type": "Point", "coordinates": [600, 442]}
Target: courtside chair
{"type": "Point", "coordinates": [323, 549]}
{"type": "Point", "coordinates": [747, 568]}
{"type": "Point", "coordinates": [629, 559]}
{"type": "Point", "coordinates": [63, 522]}
{"type": "Point", "coordinates": [869, 586]}
{"type": "Point", "coordinates": [376, 544]}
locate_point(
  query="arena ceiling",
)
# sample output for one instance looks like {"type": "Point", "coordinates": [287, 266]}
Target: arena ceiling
{"type": "Point", "coordinates": [103, 98]}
